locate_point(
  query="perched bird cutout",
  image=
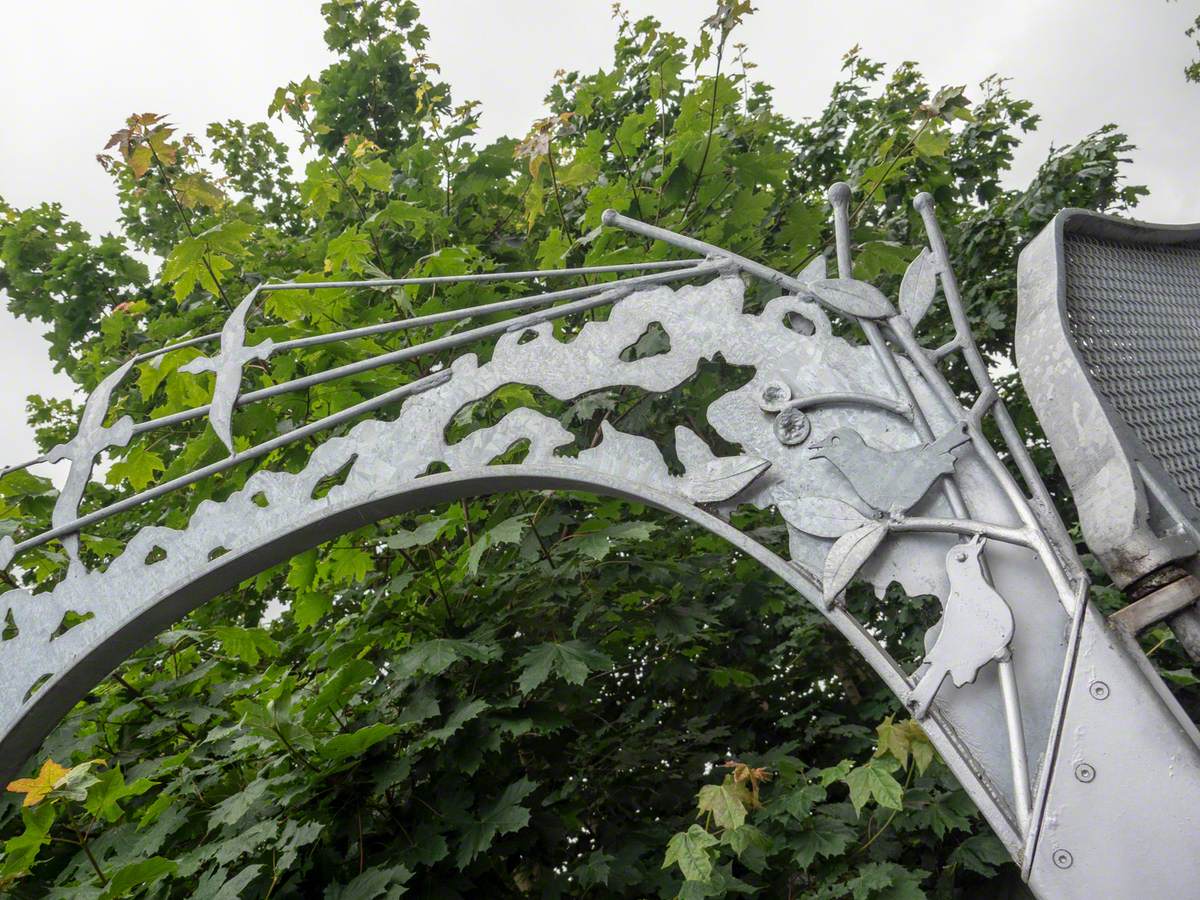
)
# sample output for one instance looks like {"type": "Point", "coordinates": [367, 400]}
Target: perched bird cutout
{"type": "Point", "coordinates": [91, 439]}
{"type": "Point", "coordinates": [891, 481]}
{"type": "Point", "coordinates": [228, 363]}
{"type": "Point", "coordinates": [976, 627]}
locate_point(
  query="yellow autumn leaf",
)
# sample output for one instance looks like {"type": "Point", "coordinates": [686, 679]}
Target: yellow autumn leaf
{"type": "Point", "coordinates": [35, 789]}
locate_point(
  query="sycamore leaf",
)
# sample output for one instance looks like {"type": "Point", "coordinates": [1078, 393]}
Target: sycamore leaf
{"type": "Point", "coordinates": [247, 644]}
{"type": "Point", "coordinates": [726, 801]}
{"type": "Point", "coordinates": [35, 789]}
{"type": "Point", "coordinates": [504, 816]}
{"type": "Point", "coordinates": [822, 836]}
{"type": "Point", "coordinates": [572, 662]}
{"type": "Point", "coordinates": [853, 298]}
{"type": "Point", "coordinates": [918, 287]}
{"type": "Point", "coordinates": [348, 565]}
{"type": "Point", "coordinates": [982, 853]}
{"type": "Point", "coordinates": [435, 656]}
{"type": "Point", "coordinates": [873, 781]}
{"type": "Point", "coordinates": [423, 534]}
{"type": "Point", "coordinates": [357, 742]}
{"type": "Point", "coordinates": [139, 467]}
{"type": "Point", "coordinates": [21, 851]}
{"type": "Point", "coordinates": [349, 250]}
{"type": "Point", "coordinates": [377, 881]}
{"type": "Point", "coordinates": [507, 532]}
{"type": "Point", "coordinates": [821, 516]}
{"type": "Point", "coordinates": [689, 850]}
{"type": "Point", "coordinates": [144, 872]}
{"type": "Point", "coordinates": [103, 800]}
{"type": "Point", "coordinates": [848, 554]}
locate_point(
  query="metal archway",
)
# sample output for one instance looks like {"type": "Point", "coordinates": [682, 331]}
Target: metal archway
{"type": "Point", "coordinates": [878, 470]}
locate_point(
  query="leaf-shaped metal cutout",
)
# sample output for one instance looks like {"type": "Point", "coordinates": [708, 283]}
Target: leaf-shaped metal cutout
{"type": "Point", "coordinates": [848, 554]}
{"type": "Point", "coordinates": [814, 271]}
{"type": "Point", "coordinates": [821, 516]}
{"type": "Point", "coordinates": [918, 287]}
{"type": "Point", "coordinates": [724, 477]}
{"type": "Point", "coordinates": [853, 298]}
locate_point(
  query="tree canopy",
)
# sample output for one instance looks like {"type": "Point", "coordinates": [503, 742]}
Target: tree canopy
{"type": "Point", "coordinates": [535, 694]}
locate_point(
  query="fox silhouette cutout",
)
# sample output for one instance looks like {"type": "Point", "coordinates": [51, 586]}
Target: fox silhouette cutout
{"type": "Point", "coordinates": [977, 626]}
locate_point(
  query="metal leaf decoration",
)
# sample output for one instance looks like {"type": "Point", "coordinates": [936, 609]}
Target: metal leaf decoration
{"type": "Point", "coordinates": [848, 555]}
{"type": "Point", "coordinates": [723, 478]}
{"type": "Point", "coordinates": [822, 516]}
{"type": "Point", "coordinates": [918, 287]}
{"type": "Point", "coordinates": [814, 271]}
{"type": "Point", "coordinates": [853, 298]}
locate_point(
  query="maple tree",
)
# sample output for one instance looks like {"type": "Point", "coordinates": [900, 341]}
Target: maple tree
{"type": "Point", "coordinates": [544, 694]}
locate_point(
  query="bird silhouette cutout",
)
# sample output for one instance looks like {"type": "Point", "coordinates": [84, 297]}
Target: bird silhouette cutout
{"type": "Point", "coordinates": [91, 438]}
{"type": "Point", "coordinates": [228, 365]}
{"type": "Point", "coordinates": [890, 480]}
{"type": "Point", "coordinates": [976, 627]}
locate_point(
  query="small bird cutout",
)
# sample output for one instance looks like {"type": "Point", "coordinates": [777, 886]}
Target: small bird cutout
{"type": "Point", "coordinates": [91, 438]}
{"type": "Point", "coordinates": [227, 364]}
{"type": "Point", "coordinates": [890, 480]}
{"type": "Point", "coordinates": [976, 627]}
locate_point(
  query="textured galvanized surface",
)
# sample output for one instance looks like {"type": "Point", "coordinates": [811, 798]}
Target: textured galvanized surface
{"type": "Point", "coordinates": [865, 451]}
{"type": "Point", "coordinates": [1106, 341]}
{"type": "Point", "coordinates": [1134, 310]}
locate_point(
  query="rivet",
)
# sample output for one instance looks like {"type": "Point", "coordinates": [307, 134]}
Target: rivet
{"type": "Point", "coordinates": [1099, 690]}
{"type": "Point", "coordinates": [792, 427]}
{"type": "Point", "coordinates": [1063, 858]}
{"type": "Point", "coordinates": [1085, 772]}
{"type": "Point", "coordinates": [775, 396]}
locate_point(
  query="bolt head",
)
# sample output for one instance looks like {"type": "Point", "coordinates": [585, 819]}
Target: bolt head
{"type": "Point", "coordinates": [775, 396]}
{"type": "Point", "coordinates": [792, 427]}
{"type": "Point", "coordinates": [1062, 858]}
{"type": "Point", "coordinates": [1085, 772]}
{"type": "Point", "coordinates": [1098, 690]}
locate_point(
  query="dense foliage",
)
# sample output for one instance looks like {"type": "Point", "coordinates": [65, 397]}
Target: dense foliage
{"type": "Point", "coordinates": [541, 694]}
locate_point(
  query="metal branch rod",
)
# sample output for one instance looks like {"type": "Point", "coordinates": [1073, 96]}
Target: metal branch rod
{"type": "Point", "coordinates": [478, 278]}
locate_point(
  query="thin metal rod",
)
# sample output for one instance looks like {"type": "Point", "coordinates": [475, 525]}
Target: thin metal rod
{"type": "Point", "coordinates": [479, 277]}
{"type": "Point", "coordinates": [978, 367]}
{"type": "Point", "coordinates": [472, 312]}
{"type": "Point", "coordinates": [1016, 740]}
{"type": "Point", "coordinates": [601, 295]}
{"type": "Point", "coordinates": [433, 279]}
{"type": "Point", "coordinates": [1006, 534]}
{"type": "Point", "coordinates": [898, 407]}
{"type": "Point", "coordinates": [330, 421]}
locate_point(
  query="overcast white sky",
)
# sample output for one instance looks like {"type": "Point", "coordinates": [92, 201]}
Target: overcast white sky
{"type": "Point", "coordinates": [72, 70]}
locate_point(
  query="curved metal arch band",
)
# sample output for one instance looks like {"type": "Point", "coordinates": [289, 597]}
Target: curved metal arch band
{"type": "Point", "coordinates": [58, 695]}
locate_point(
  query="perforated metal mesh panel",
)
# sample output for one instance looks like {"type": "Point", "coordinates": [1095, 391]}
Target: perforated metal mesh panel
{"type": "Point", "coordinates": [1135, 312]}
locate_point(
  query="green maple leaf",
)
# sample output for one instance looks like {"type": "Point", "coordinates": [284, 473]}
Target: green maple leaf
{"type": "Point", "coordinates": [689, 850]}
{"type": "Point", "coordinates": [571, 661]}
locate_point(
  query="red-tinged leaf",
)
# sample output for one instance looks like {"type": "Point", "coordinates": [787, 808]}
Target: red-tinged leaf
{"type": "Point", "coordinates": [853, 298]}
{"type": "Point", "coordinates": [821, 516]}
{"type": "Point", "coordinates": [918, 287]}
{"type": "Point", "coordinates": [848, 554]}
